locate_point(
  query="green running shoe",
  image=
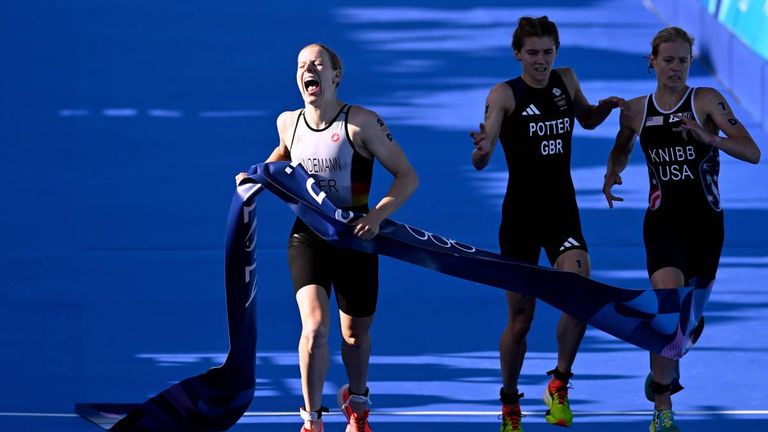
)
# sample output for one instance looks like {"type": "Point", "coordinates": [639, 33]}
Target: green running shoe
{"type": "Point", "coordinates": [510, 418]}
{"type": "Point", "coordinates": [663, 421]}
{"type": "Point", "coordinates": [556, 398]}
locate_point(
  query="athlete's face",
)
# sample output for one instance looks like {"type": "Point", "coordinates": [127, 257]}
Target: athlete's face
{"type": "Point", "coordinates": [537, 56]}
{"type": "Point", "coordinates": [672, 64]}
{"type": "Point", "coordinates": [315, 75]}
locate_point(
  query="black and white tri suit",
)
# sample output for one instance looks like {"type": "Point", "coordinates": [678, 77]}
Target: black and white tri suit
{"type": "Point", "coordinates": [345, 176]}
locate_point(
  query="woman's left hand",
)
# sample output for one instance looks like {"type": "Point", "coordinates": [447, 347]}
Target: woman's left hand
{"type": "Point", "coordinates": [694, 128]}
{"type": "Point", "coordinates": [367, 227]}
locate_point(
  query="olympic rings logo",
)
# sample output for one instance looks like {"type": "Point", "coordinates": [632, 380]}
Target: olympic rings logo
{"type": "Point", "coordinates": [438, 239]}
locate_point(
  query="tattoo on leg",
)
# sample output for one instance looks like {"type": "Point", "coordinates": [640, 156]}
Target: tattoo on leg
{"type": "Point", "coordinates": [521, 309]}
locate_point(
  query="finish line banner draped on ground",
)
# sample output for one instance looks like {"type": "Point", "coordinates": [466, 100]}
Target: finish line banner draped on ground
{"type": "Point", "coordinates": [661, 321]}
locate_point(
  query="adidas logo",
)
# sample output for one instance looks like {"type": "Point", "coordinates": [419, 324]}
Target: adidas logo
{"type": "Point", "coordinates": [569, 243]}
{"type": "Point", "coordinates": [531, 110]}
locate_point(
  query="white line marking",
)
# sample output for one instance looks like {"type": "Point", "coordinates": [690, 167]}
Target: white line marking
{"type": "Point", "coordinates": [74, 113]}
{"type": "Point", "coordinates": [119, 112]}
{"type": "Point", "coordinates": [165, 113]}
{"type": "Point", "coordinates": [445, 413]}
{"type": "Point", "coordinates": [215, 114]}
{"type": "Point", "coordinates": [496, 413]}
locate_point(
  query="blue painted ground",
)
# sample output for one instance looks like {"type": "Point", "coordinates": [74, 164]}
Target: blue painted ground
{"type": "Point", "coordinates": [123, 124]}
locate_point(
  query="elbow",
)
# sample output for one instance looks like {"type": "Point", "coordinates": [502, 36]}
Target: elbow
{"type": "Point", "coordinates": [415, 182]}
{"type": "Point", "coordinates": [410, 181]}
{"type": "Point", "coordinates": [752, 156]}
{"type": "Point", "coordinates": [591, 123]}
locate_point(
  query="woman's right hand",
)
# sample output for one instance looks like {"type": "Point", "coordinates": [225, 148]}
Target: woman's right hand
{"type": "Point", "coordinates": [240, 177]}
{"type": "Point", "coordinates": [611, 178]}
{"type": "Point", "coordinates": [480, 140]}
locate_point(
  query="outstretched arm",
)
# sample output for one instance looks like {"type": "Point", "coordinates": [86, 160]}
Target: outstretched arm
{"type": "Point", "coordinates": [589, 116]}
{"type": "Point", "coordinates": [622, 148]}
{"type": "Point", "coordinates": [500, 102]}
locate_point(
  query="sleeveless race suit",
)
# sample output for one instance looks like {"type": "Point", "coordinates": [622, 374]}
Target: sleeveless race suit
{"type": "Point", "coordinates": [539, 208]}
{"type": "Point", "coordinates": [345, 176]}
{"type": "Point", "coordinates": [683, 225]}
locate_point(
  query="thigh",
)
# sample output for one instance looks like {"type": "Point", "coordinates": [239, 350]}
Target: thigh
{"type": "Point", "coordinates": [314, 308]}
{"type": "Point", "coordinates": [706, 247]}
{"type": "Point", "coordinates": [354, 327]}
{"type": "Point", "coordinates": [667, 277]}
{"type": "Point", "coordinates": [564, 237]}
{"type": "Point", "coordinates": [574, 260]}
{"type": "Point", "coordinates": [307, 259]}
{"type": "Point", "coordinates": [665, 245]}
{"type": "Point", "coordinates": [519, 241]}
{"type": "Point", "coordinates": [356, 282]}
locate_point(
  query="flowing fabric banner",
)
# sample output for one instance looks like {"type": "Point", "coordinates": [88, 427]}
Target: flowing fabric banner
{"type": "Point", "coordinates": [666, 322]}
{"type": "Point", "coordinates": [218, 398]}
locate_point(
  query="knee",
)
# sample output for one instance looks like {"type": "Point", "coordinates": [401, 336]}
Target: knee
{"type": "Point", "coordinates": [574, 323]}
{"type": "Point", "coordinates": [314, 334]}
{"type": "Point", "coordinates": [518, 328]}
{"type": "Point", "coordinates": [357, 338]}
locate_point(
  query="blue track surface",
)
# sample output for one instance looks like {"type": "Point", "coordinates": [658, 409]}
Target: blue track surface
{"type": "Point", "coordinates": [110, 290]}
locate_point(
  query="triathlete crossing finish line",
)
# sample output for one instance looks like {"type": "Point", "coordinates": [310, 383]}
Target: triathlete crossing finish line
{"type": "Point", "coordinates": [663, 321]}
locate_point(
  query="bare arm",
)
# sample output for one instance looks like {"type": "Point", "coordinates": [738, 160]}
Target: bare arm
{"type": "Point", "coordinates": [500, 102]}
{"type": "Point", "coordinates": [368, 131]}
{"type": "Point", "coordinates": [589, 116]}
{"type": "Point", "coordinates": [285, 122]}
{"type": "Point", "coordinates": [622, 148]}
{"type": "Point", "coordinates": [711, 105]}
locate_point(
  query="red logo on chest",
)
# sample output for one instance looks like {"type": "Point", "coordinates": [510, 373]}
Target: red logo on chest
{"type": "Point", "coordinates": [335, 137]}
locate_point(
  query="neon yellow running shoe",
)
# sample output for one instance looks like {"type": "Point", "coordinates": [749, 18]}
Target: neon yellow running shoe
{"type": "Point", "coordinates": [510, 418]}
{"type": "Point", "coordinates": [556, 398]}
{"type": "Point", "coordinates": [663, 421]}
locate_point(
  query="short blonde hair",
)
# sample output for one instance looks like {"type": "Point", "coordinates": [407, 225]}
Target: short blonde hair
{"type": "Point", "coordinates": [335, 60]}
{"type": "Point", "coordinates": [670, 34]}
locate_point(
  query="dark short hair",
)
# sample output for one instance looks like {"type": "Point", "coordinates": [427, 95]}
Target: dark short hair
{"type": "Point", "coordinates": [534, 27]}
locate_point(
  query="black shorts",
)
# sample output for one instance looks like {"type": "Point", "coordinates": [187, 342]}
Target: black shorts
{"type": "Point", "coordinates": [688, 240]}
{"type": "Point", "coordinates": [353, 275]}
{"type": "Point", "coordinates": [522, 234]}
